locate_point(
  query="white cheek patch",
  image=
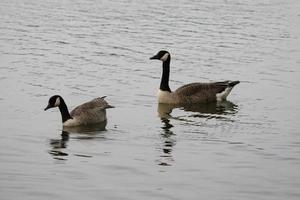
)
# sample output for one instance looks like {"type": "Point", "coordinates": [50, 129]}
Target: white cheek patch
{"type": "Point", "coordinates": [165, 57]}
{"type": "Point", "coordinates": [57, 102]}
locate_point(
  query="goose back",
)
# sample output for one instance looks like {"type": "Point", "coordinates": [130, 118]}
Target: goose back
{"type": "Point", "coordinates": [90, 112]}
{"type": "Point", "coordinates": [202, 92]}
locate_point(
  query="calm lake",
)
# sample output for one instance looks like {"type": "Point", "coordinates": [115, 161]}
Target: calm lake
{"type": "Point", "coordinates": [245, 148]}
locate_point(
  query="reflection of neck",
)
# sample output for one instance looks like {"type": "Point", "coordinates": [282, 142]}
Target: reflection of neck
{"type": "Point", "coordinates": [65, 136]}
{"type": "Point", "coordinates": [167, 127]}
{"type": "Point", "coordinates": [164, 84]}
{"type": "Point", "coordinates": [65, 115]}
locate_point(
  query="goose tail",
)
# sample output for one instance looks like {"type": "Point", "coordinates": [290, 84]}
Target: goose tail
{"type": "Point", "coordinates": [109, 106]}
{"type": "Point", "coordinates": [233, 83]}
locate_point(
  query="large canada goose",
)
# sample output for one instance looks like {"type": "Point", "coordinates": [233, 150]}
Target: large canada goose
{"type": "Point", "coordinates": [191, 93]}
{"type": "Point", "coordinates": [91, 112]}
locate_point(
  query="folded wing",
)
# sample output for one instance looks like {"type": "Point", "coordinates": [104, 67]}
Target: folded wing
{"type": "Point", "coordinates": [92, 111]}
{"type": "Point", "coordinates": [201, 92]}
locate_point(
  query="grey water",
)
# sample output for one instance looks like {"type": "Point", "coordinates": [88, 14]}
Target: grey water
{"type": "Point", "coordinates": [245, 148]}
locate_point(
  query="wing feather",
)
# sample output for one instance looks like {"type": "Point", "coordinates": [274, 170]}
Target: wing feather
{"type": "Point", "coordinates": [91, 108]}
{"type": "Point", "coordinates": [200, 92]}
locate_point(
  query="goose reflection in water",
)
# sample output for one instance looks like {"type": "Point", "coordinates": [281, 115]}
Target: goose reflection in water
{"type": "Point", "coordinates": [168, 143]}
{"type": "Point", "coordinates": [217, 110]}
{"type": "Point", "coordinates": [206, 110]}
{"type": "Point", "coordinates": [57, 146]}
{"type": "Point", "coordinates": [78, 132]}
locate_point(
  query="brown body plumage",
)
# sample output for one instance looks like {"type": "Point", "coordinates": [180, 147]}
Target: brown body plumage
{"type": "Point", "coordinates": [203, 92]}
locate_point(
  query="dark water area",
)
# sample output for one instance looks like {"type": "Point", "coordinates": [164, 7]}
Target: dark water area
{"type": "Point", "coordinates": [245, 148]}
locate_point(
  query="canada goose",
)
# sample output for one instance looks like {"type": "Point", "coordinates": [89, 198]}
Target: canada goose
{"type": "Point", "coordinates": [91, 112]}
{"type": "Point", "coordinates": [191, 93]}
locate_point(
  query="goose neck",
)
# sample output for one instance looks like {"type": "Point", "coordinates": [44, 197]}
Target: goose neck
{"type": "Point", "coordinates": [65, 115]}
{"type": "Point", "coordinates": [164, 84]}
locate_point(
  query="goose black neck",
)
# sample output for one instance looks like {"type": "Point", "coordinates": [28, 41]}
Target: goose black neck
{"type": "Point", "coordinates": [164, 84]}
{"type": "Point", "coordinates": [65, 115]}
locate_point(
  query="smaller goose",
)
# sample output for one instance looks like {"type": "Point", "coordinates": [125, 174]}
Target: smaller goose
{"type": "Point", "coordinates": [191, 93]}
{"type": "Point", "coordinates": [91, 112]}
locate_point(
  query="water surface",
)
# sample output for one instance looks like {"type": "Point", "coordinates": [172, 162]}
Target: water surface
{"type": "Point", "coordinates": [246, 148]}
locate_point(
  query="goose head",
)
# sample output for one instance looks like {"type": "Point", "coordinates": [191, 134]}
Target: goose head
{"type": "Point", "coordinates": [161, 55]}
{"type": "Point", "coordinates": [54, 101]}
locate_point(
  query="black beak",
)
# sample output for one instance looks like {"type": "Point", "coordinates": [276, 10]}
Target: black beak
{"type": "Point", "coordinates": [154, 57]}
{"type": "Point", "coordinates": [47, 107]}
